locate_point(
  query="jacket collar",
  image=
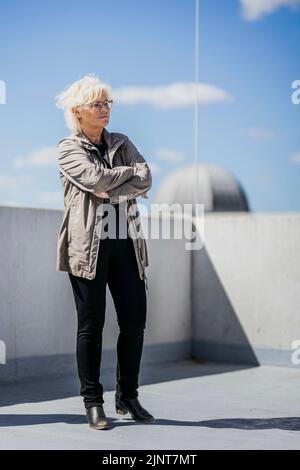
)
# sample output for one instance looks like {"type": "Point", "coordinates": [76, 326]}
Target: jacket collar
{"type": "Point", "coordinates": [112, 139]}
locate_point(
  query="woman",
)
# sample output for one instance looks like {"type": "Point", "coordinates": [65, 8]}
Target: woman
{"type": "Point", "coordinates": [102, 170]}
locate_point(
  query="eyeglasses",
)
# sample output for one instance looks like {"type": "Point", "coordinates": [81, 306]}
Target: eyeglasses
{"type": "Point", "coordinates": [99, 105]}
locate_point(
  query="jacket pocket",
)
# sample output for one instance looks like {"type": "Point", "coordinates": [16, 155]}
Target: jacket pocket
{"type": "Point", "coordinates": [72, 214]}
{"type": "Point", "coordinates": [143, 252]}
{"type": "Point", "coordinates": [79, 238]}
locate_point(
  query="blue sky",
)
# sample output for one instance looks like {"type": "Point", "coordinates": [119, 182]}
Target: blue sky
{"type": "Point", "coordinates": [249, 57]}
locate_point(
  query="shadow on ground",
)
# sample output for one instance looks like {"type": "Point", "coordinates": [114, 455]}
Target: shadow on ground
{"type": "Point", "coordinates": [287, 424]}
{"type": "Point", "coordinates": [39, 390]}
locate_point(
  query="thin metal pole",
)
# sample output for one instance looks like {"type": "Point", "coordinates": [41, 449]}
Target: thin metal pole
{"type": "Point", "coordinates": [196, 107]}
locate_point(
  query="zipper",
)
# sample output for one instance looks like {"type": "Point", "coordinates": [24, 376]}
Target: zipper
{"type": "Point", "coordinates": [114, 149]}
{"type": "Point", "coordinates": [100, 204]}
{"type": "Point", "coordinates": [146, 281]}
{"type": "Point", "coordinates": [98, 243]}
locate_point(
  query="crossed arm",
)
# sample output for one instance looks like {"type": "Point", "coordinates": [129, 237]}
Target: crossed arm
{"type": "Point", "coordinates": [76, 166]}
{"type": "Point", "coordinates": [121, 182]}
{"type": "Point", "coordinates": [137, 185]}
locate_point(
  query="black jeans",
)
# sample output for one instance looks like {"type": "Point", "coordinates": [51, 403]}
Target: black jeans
{"type": "Point", "coordinates": [117, 267]}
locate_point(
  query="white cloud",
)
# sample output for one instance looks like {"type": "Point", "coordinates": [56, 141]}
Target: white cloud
{"type": "Point", "coordinates": [174, 95]}
{"type": "Point", "coordinates": [295, 158]}
{"type": "Point", "coordinates": [13, 182]}
{"type": "Point", "coordinates": [255, 9]}
{"type": "Point", "coordinates": [261, 134]}
{"type": "Point", "coordinates": [169, 155]}
{"type": "Point", "coordinates": [45, 156]}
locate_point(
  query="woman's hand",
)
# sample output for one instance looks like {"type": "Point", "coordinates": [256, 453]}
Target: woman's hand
{"type": "Point", "coordinates": [102, 194]}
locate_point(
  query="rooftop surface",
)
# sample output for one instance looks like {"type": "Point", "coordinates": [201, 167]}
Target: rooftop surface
{"type": "Point", "coordinates": [197, 405]}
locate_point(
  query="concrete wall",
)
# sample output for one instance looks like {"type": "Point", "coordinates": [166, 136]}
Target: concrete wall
{"type": "Point", "coordinates": [246, 288]}
{"type": "Point", "coordinates": [237, 299]}
{"type": "Point", "coordinates": [38, 318]}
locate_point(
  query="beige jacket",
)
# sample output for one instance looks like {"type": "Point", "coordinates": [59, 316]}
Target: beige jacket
{"type": "Point", "coordinates": [83, 172]}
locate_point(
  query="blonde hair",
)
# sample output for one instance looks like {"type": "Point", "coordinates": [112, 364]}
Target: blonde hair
{"type": "Point", "coordinates": [86, 90]}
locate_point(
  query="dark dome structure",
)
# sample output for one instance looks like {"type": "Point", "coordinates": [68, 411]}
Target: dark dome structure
{"type": "Point", "coordinates": [218, 189]}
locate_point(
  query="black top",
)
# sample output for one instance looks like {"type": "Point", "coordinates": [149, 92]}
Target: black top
{"type": "Point", "coordinates": [102, 147]}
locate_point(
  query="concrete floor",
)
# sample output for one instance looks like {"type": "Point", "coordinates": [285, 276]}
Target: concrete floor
{"type": "Point", "coordinates": [196, 406]}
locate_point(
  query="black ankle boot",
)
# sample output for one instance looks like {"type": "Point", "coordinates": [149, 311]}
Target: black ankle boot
{"type": "Point", "coordinates": [96, 417]}
{"type": "Point", "coordinates": [133, 406]}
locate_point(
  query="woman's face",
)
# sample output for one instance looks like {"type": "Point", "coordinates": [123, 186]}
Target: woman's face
{"type": "Point", "coordinates": [91, 115]}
